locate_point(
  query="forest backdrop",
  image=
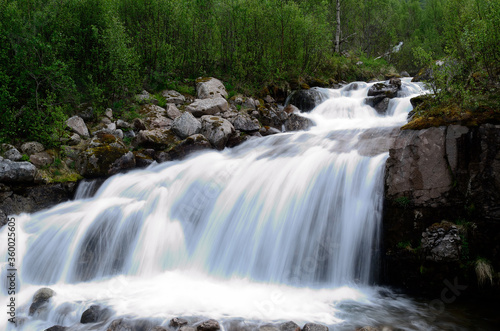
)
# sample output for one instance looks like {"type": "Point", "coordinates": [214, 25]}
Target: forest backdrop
{"type": "Point", "coordinates": [56, 54]}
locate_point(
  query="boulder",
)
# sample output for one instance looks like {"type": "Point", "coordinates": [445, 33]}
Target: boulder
{"type": "Point", "coordinates": [245, 123]}
{"type": "Point", "coordinates": [40, 300]}
{"type": "Point", "coordinates": [307, 100]}
{"type": "Point", "coordinates": [94, 314]}
{"type": "Point", "coordinates": [102, 160]}
{"type": "Point", "coordinates": [268, 130]}
{"type": "Point", "coordinates": [268, 327]}
{"type": "Point", "coordinates": [417, 167]}
{"type": "Point", "coordinates": [314, 327]}
{"type": "Point", "coordinates": [145, 97]}
{"type": "Point", "coordinates": [13, 154]}
{"type": "Point", "coordinates": [13, 172]}
{"type": "Point", "coordinates": [289, 326]}
{"type": "Point", "coordinates": [441, 242]}
{"type": "Point", "coordinates": [186, 125]}
{"type": "Point", "coordinates": [120, 325]}
{"type": "Point", "coordinates": [86, 113]}
{"type": "Point", "coordinates": [194, 143]}
{"type": "Point", "coordinates": [77, 125]}
{"type": "Point", "coordinates": [296, 122]}
{"type": "Point", "coordinates": [74, 139]}
{"type": "Point", "coordinates": [32, 147]}
{"type": "Point", "coordinates": [156, 139]}
{"type": "Point", "coordinates": [210, 88]}
{"type": "Point", "coordinates": [126, 161]}
{"type": "Point", "coordinates": [380, 103]}
{"type": "Point", "coordinates": [155, 118]}
{"type": "Point", "coordinates": [56, 328]}
{"type": "Point", "coordinates": [172, 111]}
{"type": "Point", "coordinates": [142, 160]}
{"type": "Point", "coordinates": [138, 124]}
{"type": "Point", "coordinates": [174, 97]}
{"type": "Point", "coordinates": [291, 109]}
{"type": "Point", "coordinates": [217, 130]}
{"type": "Point", "coordinates": [41, 159]}
{"type": "Point", "coordinates": [177, 322]}
{"type": "Point", "coordinates": [212, 106]}
{"type": "Point", "coordinates": [209, 325]}
{"type": "Point", "coordinates": [109, 113]}
{"type": "Point", "coordinates": [384, 89]}
{"type": "Point", "coordinates": [121, 124]}
{"type": "Point", "coordinates": [272, 116]}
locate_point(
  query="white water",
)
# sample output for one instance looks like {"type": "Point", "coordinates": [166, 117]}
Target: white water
{"type": "Point", "coordinates": [280, 228]}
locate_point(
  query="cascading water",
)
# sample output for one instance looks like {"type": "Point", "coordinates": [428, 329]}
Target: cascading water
{"type": "Point", "coordinates": [280, 228]}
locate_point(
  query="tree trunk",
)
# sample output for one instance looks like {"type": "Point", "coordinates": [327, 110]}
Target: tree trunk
{"type": "Point", "coordinates": [337, 31]}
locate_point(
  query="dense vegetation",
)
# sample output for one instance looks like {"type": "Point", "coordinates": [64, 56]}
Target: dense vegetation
{"type": "Point", "coordinates": [56, 54]}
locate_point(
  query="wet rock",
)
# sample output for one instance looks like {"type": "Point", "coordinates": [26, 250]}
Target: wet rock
{"type": "Point", "coordinates": [172, 111]}
{"type": "Point", "coordinates": [159, 328]}
{"type": "Point", "coordinates": [210, 325]}
{"type": "Point", "coordinates": [94, 314]}
{"type": "Point", "coordinates": [212, 106]}
{"type": "Point", "coordinates": [125, 162]}
{"type": "Point", "coordinates": [291, 109]}
{"type": "Point", "coordinates": [272, 117]}
{"type": "Point", "coordinates": [191, 144]}
{"type": "Point", "coordinates": [268, 130]}
{"type": "Point", "coordinates": [186, 125]}
{"type": "Point", "coordinates": [246, 123]}
{"type": "Point", "coordinates": [40, 300]}
{"type": "Point", "coordinates": [380, 103]}
{"type": "Point", "coordinates": [77, 125]}
{"type": "Point", "coordinates": [404, 74]}
{"type": "Point", "coordinates": [368, 328]}
{"type": "Point", "coordinates": [101, 161]}
{"type": "Point", "coordinates": [307, 100]}
{"type": "Point", "coordinates": [142, 160]}
{"type": "Point", "coordinates": [57, 328]}
{"type": "Point", "coordinates": [210, 88]}
{"type": "Point", "coordinates": [314, 327]}
{"type": "Point", "coordinates": [41, 159]}
{"type": "Point", "coordinates": [289, 326]}
{"type": "Point", "coordinates": [32, 147]}
{"type": "Point", "coordinates": [417, 167]}
{"type": "Point", "coordinates": [187, 328]}
{"type": "Point", "coordinates": [268, 327]}
{"type": "Point", "coordinates": [442, 242]}
{"type": "Point", "coordinates": [383, 89]}
{"type": "Point", "coordinates": [174, 97]}
{"type": "Point", "coordinates": [177, 322]}
{"type": "Point", "coordinates": [120, 325]}
{"type": "Point", "coordinates": [217, 130]}
{"type": "Point", "coordinates": [296, 122]}
{"type": "Point", "coordinates": [16, 172]}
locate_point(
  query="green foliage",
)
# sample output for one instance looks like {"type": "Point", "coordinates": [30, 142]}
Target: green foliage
{"type": "Point", "coordinates": [403, 201]}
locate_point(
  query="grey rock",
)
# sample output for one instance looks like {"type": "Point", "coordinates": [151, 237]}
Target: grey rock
{"type": "Point", "coordinates": [173, 97]}
{"type": "Point", "coordinates": [384, 89]}
{"type": "Point", "coordinates": [74, 139]}
{"type": "Point", "coordinates": [139, 124]}
{"type": "Point", "coordinates": [13, 154]}
{"type": "Point", "coordinates": [210, 88]}
{"type": "Point", "coordinates": [442, 242]}
{"type": "Point", "coordinates": [16, 171]}
{"type": "Point", "coordinates": [246, 123]}
{"type": "Point", "coordinates": [269, 99]}
{"type": "Point", "coordinates": [380, 103]}
{"type": "Point", "coordinates": [126, 161]}
{"type": "Point", "coordinates": [202, 107]}
{"type": "Point", "coordinates": [41, 159]}
{"type": "Point", "coordinates": [268, 130]}
{"type": "Point", "coordinates": [289, 326]}
{"type": "Point", "coordinates": [314, 327]}
{"type": "Point", "coordinates": [172, 111]}
{"type": "Point", "coordinates": [307, 100]}
{"type": "Point", "coordinates": [40, 299]}
{"type": "Point", "coordinates": [121, 124]}
{"type": "Point", "coordinates": [404, 74]}
{"type": "Point", "coordinates": [120, 325]}
{"type": "Point", "coordinates": [129, 134]}
{"type": "Point", "coordinates": [56, 328]}
{"type": "Point", "coordinates": [268, 328]}
{"type": "Point", "coordinates": [217, 130]}
{"type": "Point", "coordinates": [155, 139]}
{"type": "Point", "coordinates": [177, 321]}
{"type": "Point", "coordinates": [191, 144]}
{"type": "Point", "coordinates": [296, 122]}
{"type": "Point", "coordinates": [248, 104]}
{"type": "Point", "coordinates": [86, 114]}
{"type": "Point", "coordinates": [77, 125]}
{"type": "Point", "coordinates": [32, 147]}
{"type": "Point", "coordinates": [186, 125]}
{"type": "Point", "coordinates": [94, 314]}
{"type": "Point", "coordinates": [453, 137]}
{"type": "Point", "coordinates": [209, 325]}
{"type": "Point", "coordinates": [417, 167]}
{"type": "Point", "coordinates": [109, 113]}
{"type": "Point", "coordinates": [111, 126]}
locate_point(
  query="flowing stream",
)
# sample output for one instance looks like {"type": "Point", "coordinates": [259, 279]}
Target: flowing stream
{"type": "Point", "coordinates": [285, 227]}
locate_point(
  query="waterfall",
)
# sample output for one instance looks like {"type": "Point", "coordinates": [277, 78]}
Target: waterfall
{"type": "Point", "coordinates": [298, 214]}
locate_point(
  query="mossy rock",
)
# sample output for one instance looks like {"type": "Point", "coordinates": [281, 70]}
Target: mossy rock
{"type": "Point", "coordinates": [97, 161]}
